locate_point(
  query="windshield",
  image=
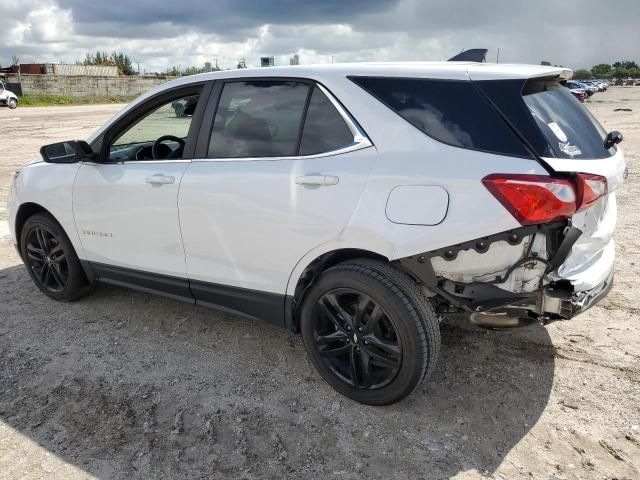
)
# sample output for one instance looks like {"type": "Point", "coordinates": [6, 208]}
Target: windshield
{"type": "Point", "coordinates": [570, 129]}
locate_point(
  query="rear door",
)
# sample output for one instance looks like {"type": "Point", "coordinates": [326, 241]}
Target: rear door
{"type": "Point", "coordinates": [281, 174]}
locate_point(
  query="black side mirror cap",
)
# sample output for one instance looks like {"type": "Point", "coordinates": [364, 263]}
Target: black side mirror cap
{"type": "Point", "coordinates": [613, 138]}
{"type": "Point", "coordinates": [67, 152]}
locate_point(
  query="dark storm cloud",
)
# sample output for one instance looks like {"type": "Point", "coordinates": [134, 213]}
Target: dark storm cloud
{"type": "Point", "coordinates": [225, 18]}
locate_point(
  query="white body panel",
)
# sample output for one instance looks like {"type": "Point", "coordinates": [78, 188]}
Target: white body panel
{"type": "Point", "coordinates": [591, 258]}
{"type": "Point", "coordinates": [124, 221]}
{"type": "Point", "coordinates": [50, 186]}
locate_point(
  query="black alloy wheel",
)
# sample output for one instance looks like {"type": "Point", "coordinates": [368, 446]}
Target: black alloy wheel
{"type": "Point", "coordinates": [356, 339]}
{"type": "Point", "coordinates": [370, 331]}
{"type": "Point", "coordinates": [51, 260]}
{"type": "Point", "coordinates": [47, 260]}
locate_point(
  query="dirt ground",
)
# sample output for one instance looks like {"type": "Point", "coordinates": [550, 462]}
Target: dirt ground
{"type": "Point", "coordinates": [126, 385]}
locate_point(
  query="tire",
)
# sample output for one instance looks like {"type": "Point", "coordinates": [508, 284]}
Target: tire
{"type": "Point", "coordinates": [12, 104]}
{"type": "Point", "coordinates": [51, 260]}
{"type": "Point", "coordinates": [379, 351]}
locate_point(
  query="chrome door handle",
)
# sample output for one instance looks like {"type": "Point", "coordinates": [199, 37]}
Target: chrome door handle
{"type": "Point", "coordinates": [317, 180]}
{"type": "Point", "coordinates": [160, 179]}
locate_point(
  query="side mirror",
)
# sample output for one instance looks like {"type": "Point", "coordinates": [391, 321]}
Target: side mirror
{"type": "Point", "coordinates": [613, 138]}
{"type": "Point", "coordinates": [67, 152]}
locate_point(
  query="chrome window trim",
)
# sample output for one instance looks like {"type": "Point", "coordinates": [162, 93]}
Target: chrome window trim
{"type": "Point", "coordinates": [141, 162]}
{"type": "Point", "coordinates": [352, 147]}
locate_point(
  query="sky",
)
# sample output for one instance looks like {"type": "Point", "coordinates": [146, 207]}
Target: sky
{"type": "Point", "coordinates": [160, 34]}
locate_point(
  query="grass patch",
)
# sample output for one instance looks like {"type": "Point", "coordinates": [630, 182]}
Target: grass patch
{"type": "Point", "coordinates": [31, 100]}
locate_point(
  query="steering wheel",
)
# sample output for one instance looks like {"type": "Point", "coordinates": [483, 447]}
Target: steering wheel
{"type": "Point", "coordinates": [155, 149]}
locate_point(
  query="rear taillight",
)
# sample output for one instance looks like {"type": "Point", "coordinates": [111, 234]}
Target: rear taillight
{"type": "Point", "coordinates": [590, 189]}
{"type": "Point", "coordinates": [534, 199]}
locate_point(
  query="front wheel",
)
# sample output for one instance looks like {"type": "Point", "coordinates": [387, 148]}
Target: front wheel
{"type": "Point", "coordinates": [370, 331]}
{"type": "Point", "coordinates": [51, 260]}
{"type": "Point", "coordinates": [12, 104]}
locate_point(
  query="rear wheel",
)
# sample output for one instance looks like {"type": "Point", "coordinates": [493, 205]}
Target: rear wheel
{"type": "Point", "coordinates": [51, 260]}
{"type": "Point", "coordinates": [370, 331]}
{"type": "Point", "coordinates": [12, 103]}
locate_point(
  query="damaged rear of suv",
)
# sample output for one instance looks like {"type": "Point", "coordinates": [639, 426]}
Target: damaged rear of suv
{"type": "Point", "coordinates": [559, 260]}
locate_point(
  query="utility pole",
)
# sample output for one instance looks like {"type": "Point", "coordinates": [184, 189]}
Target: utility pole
{"type": "Point", "coordinates": [498, 56]}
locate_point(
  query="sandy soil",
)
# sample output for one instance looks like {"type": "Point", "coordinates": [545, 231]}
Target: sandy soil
{"type": "Point", "coordinates": [126, 385]}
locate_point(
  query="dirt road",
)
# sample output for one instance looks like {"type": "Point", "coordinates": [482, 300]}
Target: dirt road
{"type": "Point", "coordinates": [126, 385]}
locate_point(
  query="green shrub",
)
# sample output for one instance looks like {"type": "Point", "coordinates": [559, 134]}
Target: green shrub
{"type": "Point", "coordinates": [42, 100]}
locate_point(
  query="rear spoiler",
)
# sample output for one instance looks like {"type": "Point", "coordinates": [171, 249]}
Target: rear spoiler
{"type": "Point", "coordinates": [472, 55]}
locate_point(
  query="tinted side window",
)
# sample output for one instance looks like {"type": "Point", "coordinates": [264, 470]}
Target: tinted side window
{"type": "Point", "coordinates": [453, 112]}
{"type": "Point", "coordinates": [258, 119]}
{"type": "Point", "coordinates": [324, 128]}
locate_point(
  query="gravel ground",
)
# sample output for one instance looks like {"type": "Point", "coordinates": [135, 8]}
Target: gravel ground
{"type": "Point", "coordinates": [127, 385]}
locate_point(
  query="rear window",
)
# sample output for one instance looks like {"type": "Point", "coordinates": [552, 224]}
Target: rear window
{"type": "Point", "coordinates": [453, 112]}
{"type": "Point", "coordinates": [571, 130]}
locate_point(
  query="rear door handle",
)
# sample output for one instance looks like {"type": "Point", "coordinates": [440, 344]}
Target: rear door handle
{"type": "Point", "coordinates": [160, 179]}
{"type": "Point", "coordinates": [317, 180]}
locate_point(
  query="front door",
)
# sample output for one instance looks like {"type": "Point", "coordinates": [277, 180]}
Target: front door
{"type": "Point", "coordinates": [125, 205]}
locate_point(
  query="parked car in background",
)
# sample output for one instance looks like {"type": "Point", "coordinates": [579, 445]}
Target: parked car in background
{"type": "Point", "coordinates": [599, 85]}
{"type": "Point", "coordinates": [579, 93]}
{"type": "Point", "coordinates": [356, 204]}
{"type": "Point", "coordinates": [7, 98]}
{"type": "Point", "coordinates": [574, 84]}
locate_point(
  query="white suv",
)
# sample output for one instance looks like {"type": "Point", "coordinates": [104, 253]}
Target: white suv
{"type": "Point", "coordinates": [357, 204]}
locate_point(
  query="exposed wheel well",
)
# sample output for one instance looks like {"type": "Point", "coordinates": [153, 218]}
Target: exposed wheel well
{"type": "Point", "coordinates": [25, 211]}
{"type": "Point", "coordinates": [310, 274]}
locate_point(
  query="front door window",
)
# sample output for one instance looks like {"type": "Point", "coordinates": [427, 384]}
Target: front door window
{"type": "Point", "coordinates": [159, 135]}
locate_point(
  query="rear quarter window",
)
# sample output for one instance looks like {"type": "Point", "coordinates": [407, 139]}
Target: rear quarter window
{"type": "Point", "coordinates": [451, 111]}
{"type": "Point", "coordinates": [324, 128]}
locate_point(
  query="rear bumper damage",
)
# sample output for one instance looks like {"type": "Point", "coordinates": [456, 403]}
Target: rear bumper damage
{"type": "Point", "coordinates": [514, 278]}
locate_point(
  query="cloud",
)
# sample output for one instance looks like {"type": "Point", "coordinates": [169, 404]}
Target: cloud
{"type": "Point", "coordinates": [574, 33]}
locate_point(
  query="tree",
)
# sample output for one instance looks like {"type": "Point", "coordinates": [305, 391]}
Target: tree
{"type": "Point", "coordinates": [620, 73]}
{"type": "Point", "coordinates": [116, 59]}
{"type": "Point", "coordinates": [602, 70]}
{"type": "Point", "coordinates": [634, 72]}
{"type": "Point", "coordinates": [625, 64]}
{"type": "Point", "coordinates": [582, 74]}
{"type": "Point", "coordinates": [123, 62]}
{"type": "Point", "coordinates": [545, 62]}
{"type": "Point", "coordinates": [15, 60]}
{"type": "Point", "coordinates": [183, 72]}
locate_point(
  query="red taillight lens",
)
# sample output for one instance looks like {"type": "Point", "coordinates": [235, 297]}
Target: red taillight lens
{"type": "Point", "coordinates": [590, 189]}
{"type": "Point", "coordinates": [533, 199]}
